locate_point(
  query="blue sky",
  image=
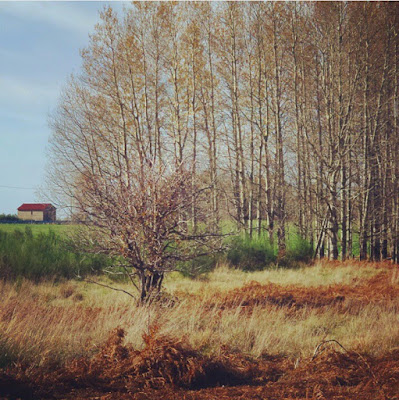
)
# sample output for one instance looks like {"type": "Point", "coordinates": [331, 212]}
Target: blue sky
{"type": "Point", "coordinates": [39, 49]}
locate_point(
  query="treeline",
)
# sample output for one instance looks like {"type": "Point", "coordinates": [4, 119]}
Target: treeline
{"type": "Point", "coordinates": [4, 218]}
{"type": "Point", "coordinates": [288, 111]}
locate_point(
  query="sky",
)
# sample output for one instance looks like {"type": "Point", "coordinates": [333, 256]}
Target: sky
{"type": "Point", "coordinates": [39, 50]}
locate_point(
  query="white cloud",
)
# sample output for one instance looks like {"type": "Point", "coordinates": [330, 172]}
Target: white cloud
{"type": "Point", "coordinates": [66, 15]}
{"type": "Point", "coordinates": [22, 93]}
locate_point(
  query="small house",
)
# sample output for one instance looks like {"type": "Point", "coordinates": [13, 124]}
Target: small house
{"type": "Point", "coordinates": [37, 212]}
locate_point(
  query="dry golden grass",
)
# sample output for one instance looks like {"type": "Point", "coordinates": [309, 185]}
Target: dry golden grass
{"type": "Point", "coordinates": [320, 274]}
{"type": "Point", "coordinates": [48, 322]}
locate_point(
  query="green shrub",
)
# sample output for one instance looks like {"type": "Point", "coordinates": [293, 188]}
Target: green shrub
{"type": "Point", "coordinates": [298, 250]}
{"type": "Point", "coordinates": [250, 254]}
{"type": "Point", "coordinates": [43, 256]}
{"type": "Point", "coordinates": [198, 266]}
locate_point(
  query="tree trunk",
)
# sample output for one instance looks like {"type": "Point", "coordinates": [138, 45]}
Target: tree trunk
{"type": "Point", "coordinates": [280, 189]}
{"type": "Point", "coordinates": [151, 283]}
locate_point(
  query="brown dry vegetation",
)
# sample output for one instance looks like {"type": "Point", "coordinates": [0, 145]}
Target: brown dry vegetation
{"type": "Point", "coordinates": [230, 336]}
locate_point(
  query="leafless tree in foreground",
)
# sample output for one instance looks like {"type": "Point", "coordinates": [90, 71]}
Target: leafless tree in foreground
{"type": "Point", "coordinates": [107, 157]}
{"type": "Point", "coordinates": [146, 222]}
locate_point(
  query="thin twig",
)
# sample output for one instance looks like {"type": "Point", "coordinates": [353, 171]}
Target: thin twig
{"type": "Point", "coordinates": [109, 287]}
{"type": "Point", "coordinates": [131, 278]}
{"type": "Point", "coordinates": [315, 353]}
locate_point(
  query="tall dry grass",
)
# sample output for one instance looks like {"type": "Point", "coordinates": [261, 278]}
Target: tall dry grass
{"type": "Point", "coordinates": [320, 274]}
{"type": "Point", "coordinates": [50, 322]}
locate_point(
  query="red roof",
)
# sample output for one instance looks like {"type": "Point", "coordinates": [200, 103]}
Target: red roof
{"type": "Point", "coordinates": [35, 207]}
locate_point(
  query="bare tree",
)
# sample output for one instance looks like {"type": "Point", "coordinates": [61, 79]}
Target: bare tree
{"type": "Point", "coordinates": [134, 205]}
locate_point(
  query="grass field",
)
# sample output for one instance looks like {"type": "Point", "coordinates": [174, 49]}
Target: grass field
{"type": "Point", "coordinates": [36, 228]}
{"type": "Point", "coordinates": [45, 254]}
{"type": "Point", "coordinates": [228, 335]}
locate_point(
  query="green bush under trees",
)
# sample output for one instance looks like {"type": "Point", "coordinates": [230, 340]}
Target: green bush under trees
{"type": "Point", "coordinates": [198, 266]}
{"type": "Point", "coordinates": [257, 253]}
{"type": "Point", "coordinates": [43, 256]}
{"type": "Point", "coordinates": [252, 254]}
{"type": "Point", "coordinates": [47, 255]}
{"type": "Point", "coordinates": [298, 251]}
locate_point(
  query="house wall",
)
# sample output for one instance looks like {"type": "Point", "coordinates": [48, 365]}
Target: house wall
{"type": "Point", "coordinates": [49, 215]}
{"type": "Point", "coordinates": [30, 215]}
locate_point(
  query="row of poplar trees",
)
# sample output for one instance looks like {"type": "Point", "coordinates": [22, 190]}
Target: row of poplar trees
{"type": "Point", "coordinates": [287, 111]}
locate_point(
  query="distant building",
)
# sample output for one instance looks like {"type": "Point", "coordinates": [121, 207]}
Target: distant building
{"type": "Point", "coordinates": [37, 212]}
